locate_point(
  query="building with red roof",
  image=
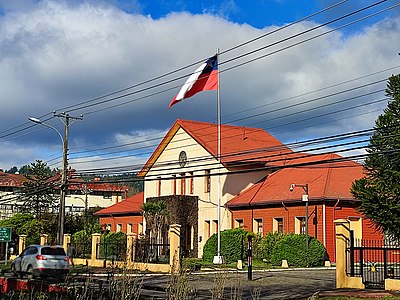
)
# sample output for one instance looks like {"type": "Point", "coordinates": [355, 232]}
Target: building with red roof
{"type": "Point", "coordinates": [254, 174]}
{"type": "Point", "coordinates": [125, 216]}
{"type": "Point", "coordinates": [81, 195]}
{"type": "Point", "coordinates": [271, 205]}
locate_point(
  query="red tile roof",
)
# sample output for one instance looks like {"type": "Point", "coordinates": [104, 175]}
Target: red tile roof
{"type": "Point", "coordinates": [74, 184]}
{"type": "Point", "coordinates": [329, 181]}
{"type": "Point", "coordinates": [11, 180]}
{"type": "Point", "coordinates": [238, 144]}
{"type": "Point", "coordinates": [130, 205]}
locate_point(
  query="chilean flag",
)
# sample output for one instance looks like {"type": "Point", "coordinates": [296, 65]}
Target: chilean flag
{"type": "Point", "coordinates": [205, 78]}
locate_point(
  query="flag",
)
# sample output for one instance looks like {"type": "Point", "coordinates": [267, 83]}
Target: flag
{"type": "Point", "coordinates": [205, 78]}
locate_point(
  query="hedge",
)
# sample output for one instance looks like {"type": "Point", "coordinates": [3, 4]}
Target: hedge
{"type": "Point", "coordinates": [263, 249]}
{"type": "Point", "coordinates": [292, 247]}
{"type": "Point", "coordinates": [233, 245]}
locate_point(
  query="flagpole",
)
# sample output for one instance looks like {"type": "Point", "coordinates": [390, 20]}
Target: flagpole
{"type": "Point", "coordinates": [218, 258]}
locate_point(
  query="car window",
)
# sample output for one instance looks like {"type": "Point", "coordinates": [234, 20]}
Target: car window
{"type": "Point", "coordinates": [33, 250]}
{"type": "Point", "coordinates": [52, 251]}
{"type": "Point", "coordinates": [26, 251]}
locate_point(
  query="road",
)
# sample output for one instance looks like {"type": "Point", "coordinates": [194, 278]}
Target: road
{"type": "Point", "coordinates": [277, 284]}
{"type": "Point", "coordinates": [265, 285]}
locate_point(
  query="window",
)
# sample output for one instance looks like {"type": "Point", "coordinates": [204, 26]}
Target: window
{"type": "Point", "coordinates": [300, 225]}
{"type": "Point", "coordinates": [207, 229]}
{"type": "Point", "coordinates": [214, 228]}
{"type": "Point", "coordinates": [107, 195]}
{"type": "Point", "coordinates": [191, 183]}
{"type": "Point", "coordinates": [108, 227]}
{"type": "Point", "coordinates": [183, 184]}
{"type": "Point", "coordinates": [239, 223]}
{"type": "Point", "coordinates": [140, 228]}
{"type": "Point", "coordinates": [258, 226]}
{"type": "Point", "coordinates": [174, 185]}
{"type": "Point", "coordinates": [119, 227]}
{"type": "Point", "coordinates": [129, 228]}
{"type": "Point", "coordinates": [277, 225]}
{"type": "Point", "coordinates": [207, 181]}
{"type": "Point", "coordinates": [158, 186]}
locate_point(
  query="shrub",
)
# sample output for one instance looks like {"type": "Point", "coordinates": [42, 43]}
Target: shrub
{"type": "Point", "coordinates": [292, 248]}
{"type": "Point", "coordinates": [233, 245]}
{"type": "Point", "coordinates": [266, 244]}
{"type": "Point", "coordinates": [113, 244]}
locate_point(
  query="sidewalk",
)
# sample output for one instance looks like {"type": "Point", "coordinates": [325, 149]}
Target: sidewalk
{"type": "Point", "coordinates": [356, 293]}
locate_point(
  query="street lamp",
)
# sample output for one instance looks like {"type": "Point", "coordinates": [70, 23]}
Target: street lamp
{"type": "Point", "coordinates": [63, 188]}
{"type": "Point", "coordinates": [304, 198]}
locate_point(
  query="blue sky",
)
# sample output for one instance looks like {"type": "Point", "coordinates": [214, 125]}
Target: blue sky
{"type": "Point", "coordinates": [58, 53]}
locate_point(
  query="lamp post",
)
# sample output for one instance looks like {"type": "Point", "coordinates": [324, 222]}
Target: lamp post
{"type": "Point", "coordinates": [63, 187]}
{"type": "Point", "coordinates": [61, 212]}
{"type": "Point", "coordinates": [304, 198]}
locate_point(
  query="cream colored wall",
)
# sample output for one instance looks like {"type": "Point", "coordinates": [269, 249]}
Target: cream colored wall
{"type": "Point", "coordinates": [231, 185]}
{"type": "Point", "coordinates": [93, 200]}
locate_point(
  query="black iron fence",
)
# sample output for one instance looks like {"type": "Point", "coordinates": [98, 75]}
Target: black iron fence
{"type": "Point", "coordinates": [373, 260]}
{"type": "Point", "coordinates": [115, 251]}
{"type": "Point", "coordinates": [151, 253]}
{"type": "Point", "coordinates": [82, 249]}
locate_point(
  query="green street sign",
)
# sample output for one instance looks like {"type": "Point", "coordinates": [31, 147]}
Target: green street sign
{"type": "Point", "coordinates": [5, 234]}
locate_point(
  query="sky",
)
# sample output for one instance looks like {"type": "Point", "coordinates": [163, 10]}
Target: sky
{"type": "Point", "coordinates": [64, 56]}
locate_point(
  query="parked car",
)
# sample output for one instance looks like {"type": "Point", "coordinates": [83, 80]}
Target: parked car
{"type": "Point", "coordinates": [41, 261]}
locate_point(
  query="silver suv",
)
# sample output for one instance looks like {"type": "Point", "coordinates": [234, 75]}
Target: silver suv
{"type": "Point", "coordinates": [41, 260]}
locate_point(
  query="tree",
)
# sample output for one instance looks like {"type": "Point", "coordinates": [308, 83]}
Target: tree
{"type": "Point", "coordinates": [37, 192]}
{"type": "Point", "coordinates": [379, 189]}
{"type": "Point", "coordinates": [156, 214]}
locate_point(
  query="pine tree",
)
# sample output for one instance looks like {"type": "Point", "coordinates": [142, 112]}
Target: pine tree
{"type": "Point", "coordinates": [379, 190]}
{"type": "Point", "coordinates": [37, 193]}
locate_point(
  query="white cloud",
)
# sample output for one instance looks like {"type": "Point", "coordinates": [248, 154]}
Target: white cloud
{"type": "Point", "coordinates": [56, 55]}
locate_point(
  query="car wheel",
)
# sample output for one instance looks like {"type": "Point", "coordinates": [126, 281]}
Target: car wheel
{"type": "Point", "coordinates": [30, 273]}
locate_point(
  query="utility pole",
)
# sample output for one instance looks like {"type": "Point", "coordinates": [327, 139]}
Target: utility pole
{"type": "Point", "coordinates": [65, 118]}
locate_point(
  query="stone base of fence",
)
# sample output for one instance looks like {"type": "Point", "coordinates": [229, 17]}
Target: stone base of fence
{"type": "Point", "coordinates": [392, 284]}
{"type": "Point", "coordinates": [342, 229]}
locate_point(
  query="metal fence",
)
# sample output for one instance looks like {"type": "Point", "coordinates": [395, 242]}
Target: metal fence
{"type": "Point", "coordinates": [83, 249]}
{"type": "Point", "coordinates": [151, 253]}
{"type": "Point", "coordinates": [373, 260]}
{"type": "Point", "coordinates": [111, 250]}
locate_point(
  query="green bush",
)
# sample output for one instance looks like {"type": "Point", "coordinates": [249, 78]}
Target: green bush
{"type": "Point", "coordinates": [293, 248]}
{"type": "Point", "coordinates": [233, 245]}
{"type": "Point", "coordinates": [266, 244]}
{"type": "Point", "coordinates": [113, 244]}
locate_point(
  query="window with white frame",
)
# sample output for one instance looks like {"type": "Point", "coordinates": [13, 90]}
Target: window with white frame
{"type": "Point", "coordinates": [277, 225]}
{"type": "Point", "coordinates": [207, 181]}
{"type": "Point", "coordinates": [258, 226]}
{"type": "Point", "coordinates": [300, 225]}
{"type": "Point", "coordinates": [239, 223]}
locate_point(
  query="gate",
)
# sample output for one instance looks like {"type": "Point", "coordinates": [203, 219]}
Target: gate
{"type": "Point", "coordinates": [373, 261]}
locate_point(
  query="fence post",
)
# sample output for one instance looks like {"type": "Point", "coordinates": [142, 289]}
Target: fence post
{"type": "Point", "coordinates": [43, 239]}
{"type": "Point", "coordinates": [130, 248]}
{"type": "Point", "coordinates": [342, 230]}
{"type": "Point", "coordinates": [95, 241]}
{"type": "Point", "coordinates": [342, 236]}
{"type": "Point", "coordinates": [21, 243]}
{"type": "Point", "coordinates": [66, 241]}
{"type": "Point", "coordinates": [174, 247]}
